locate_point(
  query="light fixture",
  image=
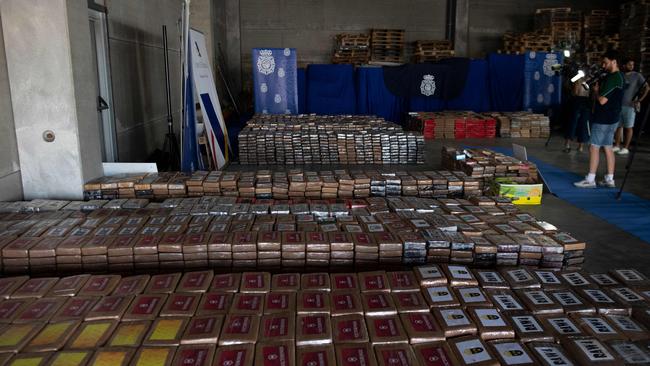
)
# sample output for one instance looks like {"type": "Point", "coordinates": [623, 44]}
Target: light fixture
{"type": "Point", "coordinates": [567, 53]}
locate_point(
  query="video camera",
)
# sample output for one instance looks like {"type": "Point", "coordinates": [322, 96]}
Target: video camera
{"type": "Point", "coordinates": [594, 74]}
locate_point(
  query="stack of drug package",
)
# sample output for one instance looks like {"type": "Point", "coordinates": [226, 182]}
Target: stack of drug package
{"type": "Point", "coordinates": [635, 32]}
{"type": "Point", "coordinates": [502, 122]}
{"type": "Point", "coordinates": [227, 232]}
{"type": "Point", "coordinates": [144, 186]}
{"type": "Point", "coordinates": [452, 125]}
{"type": "Point", "coordinates": [387, 45]}
{"type": "Point", "coordinates": [431, 51]}
{"type": "Point", "coordinates": [484, 163]}
{"type": "Point", "coordinates": [480, 126]}
{"type": "Point", "coordinates": [564, 25]}
{"type": "Point", "coordinates": [518, 43]}
{"type": "Point", "coordinates": [352, 49]}
{"type": "Point", "coordinates": [427, 315]}
{"type": "Point", "coordinates": [521, 124]}
{"type": "Point", "coordinates": [526, 124]}
{"type": "Point", "coordinates": [284, 139]}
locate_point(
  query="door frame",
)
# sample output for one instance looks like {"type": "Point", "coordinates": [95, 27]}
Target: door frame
{"type": "Point", "coordinates": [109, 135]}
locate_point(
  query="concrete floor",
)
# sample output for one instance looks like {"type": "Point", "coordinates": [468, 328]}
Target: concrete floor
{"type": "Point", "coordinates": [607, 246]}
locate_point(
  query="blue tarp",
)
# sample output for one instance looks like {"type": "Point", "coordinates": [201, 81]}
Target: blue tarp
{"type": "Point", "coordinates": [506, 81]}
{"type": "Point", "coordinates": [631, 213]}
{"type": "Point", "coordinates": [330, 89]}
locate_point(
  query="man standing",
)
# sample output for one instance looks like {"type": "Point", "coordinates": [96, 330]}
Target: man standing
{"type": "Point", "coordinates": [609, 98]}
{"type": "Point", "coordinates": [634, 91]}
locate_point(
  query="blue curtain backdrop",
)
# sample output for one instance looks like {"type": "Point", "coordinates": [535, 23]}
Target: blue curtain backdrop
{"type": "Point", "coordinates": [506, 81]}
{"type": "Point", "coordinates": [476, 94]}
{"type": "Point", "coordinates": [330, 89]}
{"type": "Point", "coordinates": [302, 90]}
{"type": "Point", "coordinates": [498, 83]}
{"type": "Point", "coordinates": [275, 80]}
{"type": "Point", "coordinates": [542, 87]}
{"type": "Point", "coordinates": [374, 98]}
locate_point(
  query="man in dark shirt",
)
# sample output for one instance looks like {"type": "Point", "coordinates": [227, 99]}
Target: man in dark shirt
{"type": "Point", "coordinates": [604, 121]}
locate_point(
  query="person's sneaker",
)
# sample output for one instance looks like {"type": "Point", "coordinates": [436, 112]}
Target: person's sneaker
{"type": "Point", "coordinates": [607, 183]}
{"type": "Point", "coordinates": [585, 184]}
{"type": "Point", "coordinates": [623, 151]}
{"type": "Point", "coordinates": [616, 149]}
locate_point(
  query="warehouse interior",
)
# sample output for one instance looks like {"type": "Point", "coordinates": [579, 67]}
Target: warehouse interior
{"type": "Point", "coordinates": [173, 169]}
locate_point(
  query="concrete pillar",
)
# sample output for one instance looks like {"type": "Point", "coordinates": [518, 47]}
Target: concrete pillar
{"type": "Point", "coordinates": [53, 88]}
{"type": "Point", "coordinates": [10, 186]}
{"type": "Point", "coordinates": [461, 33]}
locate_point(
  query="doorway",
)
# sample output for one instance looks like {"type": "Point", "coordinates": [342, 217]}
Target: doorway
{"type": "Point", "coordinates": [101, 62]}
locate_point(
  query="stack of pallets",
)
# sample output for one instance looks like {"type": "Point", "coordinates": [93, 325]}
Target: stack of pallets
{"type": "Point", "coordinates": [516, 43]}
{"type": "Point", "coordinates": [387, 45]}
{"type": "Point", "coordinates": [352, 49]}
{"type": "Point", "coordinates": [564, 25]}
{"type": "Point", "coordinates": [635, 32]}
{"type": "Point", "coordinates": [601, 34]}
{"type": "Point", "coordinates": [428, 51]}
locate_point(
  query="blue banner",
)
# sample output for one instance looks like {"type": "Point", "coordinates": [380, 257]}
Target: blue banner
{"type": "Point", "coordinates": [542, 85]}
{"type": "Point", "coordinates": [190, 156]}
{"type": "Point", "coordinates": [275, 80]}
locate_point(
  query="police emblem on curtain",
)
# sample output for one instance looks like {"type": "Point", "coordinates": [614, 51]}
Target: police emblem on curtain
{"type": "Point", "coordinates": [542, 85]}
{"type": "Point", "coordinates": [275, 80]}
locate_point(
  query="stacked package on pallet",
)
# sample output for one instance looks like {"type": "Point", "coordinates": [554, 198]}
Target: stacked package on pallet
{"type": "Point", "coordinates": [387, 45]}
{"type": "Point", "coordinates": [522, 124]}
{"type": "Point", "coordinates": [453, 125]}
{"type": "Point", "coordinates": [635, 32]}
{"type": "Point", "coordinates": [517, 43]}
{"type": "Point", "coordinates": [294, 183]}
{"type": "Point", "coordinates": [286, 139]}
{"type": "Point", "coordinates": [563, 24]}
{"type": "Point", "coordinates": [436, 314]}
{"type": "Point", "coordinates": [484, 163]}
{"type": "Point", "coordinates": [428, 51]}
{"type": "Point", "coordinates": [352, 49]}
{"type": "Point", "coordinates": [224, 233]}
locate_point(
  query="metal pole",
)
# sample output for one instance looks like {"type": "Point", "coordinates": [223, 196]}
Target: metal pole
{"type": "Point", "coordinates": [170, 117]}
{"type": "Point", "coordinates": [635, 147]}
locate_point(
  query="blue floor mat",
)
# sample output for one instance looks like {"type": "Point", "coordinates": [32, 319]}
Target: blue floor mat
{"type": "Point", "coordinates": [631, 213]}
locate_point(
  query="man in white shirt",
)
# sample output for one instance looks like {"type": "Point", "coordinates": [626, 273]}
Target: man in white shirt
{"type": "Point", "coordinates": [634, 91]}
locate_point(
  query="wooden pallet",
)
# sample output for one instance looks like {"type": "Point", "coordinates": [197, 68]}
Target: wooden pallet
{"type": "Point", "coordinates": [352, 40]}
{"type": "Point", "coordinates": [600, 12]}
{"type": "Point", "coordinates": [553, 10]}
{"type": "Point", "coordinates": [378, 58]}
{"type": "Point", "coordinates": [448, 53]}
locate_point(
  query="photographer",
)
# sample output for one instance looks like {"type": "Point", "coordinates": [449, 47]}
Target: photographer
{"type": "Point", "coordinates": [634, 92]}
{"type": "Point", "coordinates": [578, 129]}
{"type": "Point", "coordinates": [609, 98]}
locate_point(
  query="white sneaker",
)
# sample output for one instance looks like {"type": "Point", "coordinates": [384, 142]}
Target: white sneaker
{"type": "Point", "coordinates": [623, 151]}
{"type": "Point", "coordinates": [607, 183]}
{"type": "Point", "coordinates": [585, 184]}
{"type": "Point", "coordinates": [616, 149]}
